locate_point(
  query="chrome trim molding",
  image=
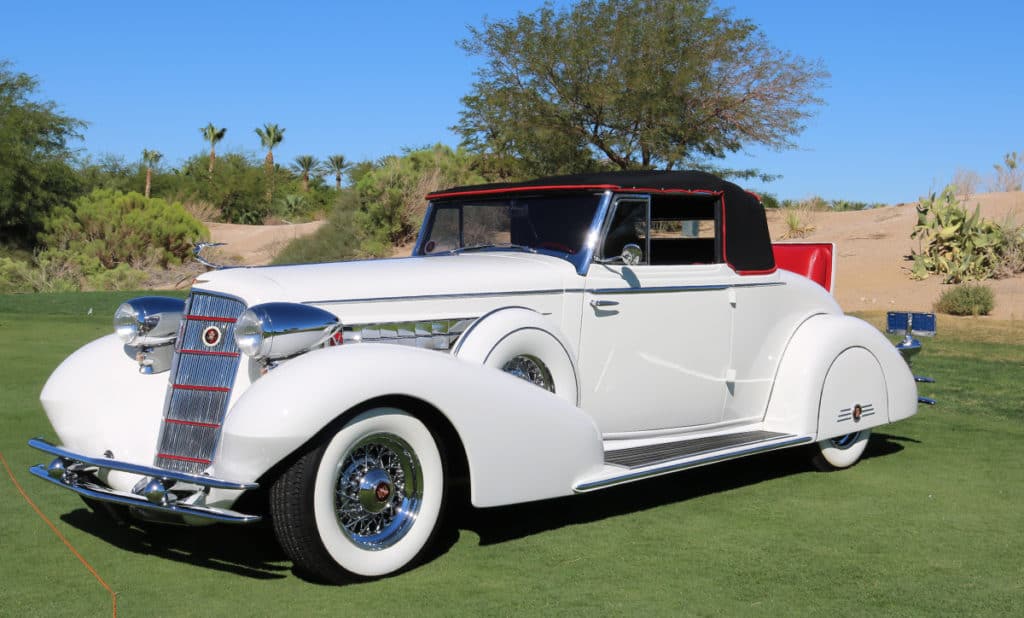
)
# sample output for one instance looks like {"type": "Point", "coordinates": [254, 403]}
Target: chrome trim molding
{"type": "Point", "coordinates": [683, 465]}
{"type": "Point", "coordinates": [384, 299]}
{"type": "Point", "coordinates": [440, 334]}
{"type": "Point", "coordinates": [668, 289]}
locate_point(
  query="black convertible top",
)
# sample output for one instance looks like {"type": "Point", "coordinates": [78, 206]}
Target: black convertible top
{"type": "Point", "coordinates": [649, 180]}
{"type": "Point", "coordinates": [746, 244]}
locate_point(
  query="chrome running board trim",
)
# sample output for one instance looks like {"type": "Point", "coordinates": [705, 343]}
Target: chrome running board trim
{"type": "Point", "coordinates": [686, 463]}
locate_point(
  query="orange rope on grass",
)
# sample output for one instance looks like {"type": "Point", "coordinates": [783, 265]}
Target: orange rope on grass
{"type": "Point", "coordinates": [17, 485]}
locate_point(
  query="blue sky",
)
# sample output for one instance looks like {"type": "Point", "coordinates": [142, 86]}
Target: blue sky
{"type": "Point", "coordinates": [918, 89]}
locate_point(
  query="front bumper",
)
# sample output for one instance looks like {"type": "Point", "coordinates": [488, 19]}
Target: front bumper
{"type": "Point", "coordinates": [78, 473]}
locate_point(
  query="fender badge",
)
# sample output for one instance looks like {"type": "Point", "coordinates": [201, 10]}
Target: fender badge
{"type": "Point", "coordinates": [211, 336]}
{"type": "Point", "coordinates": [857, 412]}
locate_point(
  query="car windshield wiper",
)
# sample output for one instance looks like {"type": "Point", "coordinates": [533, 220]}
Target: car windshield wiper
{"type": "Point", "coordinates": [495, 245]}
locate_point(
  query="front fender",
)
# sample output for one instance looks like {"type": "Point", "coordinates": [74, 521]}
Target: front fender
{"type": "Point", "coordinates": [831, 364]}
{"type": "Point", "coordinates": [521, 442]}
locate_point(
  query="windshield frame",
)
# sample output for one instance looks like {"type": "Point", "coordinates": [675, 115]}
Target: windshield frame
{"type": "Point", "coordinates": [580, 260]}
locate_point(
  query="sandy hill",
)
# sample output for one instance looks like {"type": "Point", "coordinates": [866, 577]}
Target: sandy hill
{"type": "Point", "coordinates": [873, 245]}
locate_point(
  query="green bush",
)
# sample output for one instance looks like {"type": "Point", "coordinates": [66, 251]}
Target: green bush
{"type": "Point", "coordinates": [340, 238]}
{"type": "Point", "coordinates": [957, 246]}
{"type": "Point", "coordinates": [107, 228]}
{"type": "Point", "coordinates": [967, 299]}
{"type": "Point", "coordinates": [391, 195]}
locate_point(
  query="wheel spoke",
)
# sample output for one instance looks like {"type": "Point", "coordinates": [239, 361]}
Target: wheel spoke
{"type": "Point", "coordinates": [375, 504]}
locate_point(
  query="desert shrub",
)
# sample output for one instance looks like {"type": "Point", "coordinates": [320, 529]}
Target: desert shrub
{"type": "Point", "coordinates": [957, 246]}
{"type": "Point", "coordinates": [391, 195]}
{"type": "Point", "coordinates": [769, 201]}
{"type": "Point", "coordinates": [966, 299]}
{"type": "Point", "coordinates": [798, 218]}
{"type": "Point", "coordinates": [1009, 174]}
{"type": "Point", "coordinates": [107, 228]}
{"type": "Point", "coordinates": [122, 277]}
{"type": "Point", "coordinates": [37, 275]}
{"type": "Point", "coordinates": [340, 238]}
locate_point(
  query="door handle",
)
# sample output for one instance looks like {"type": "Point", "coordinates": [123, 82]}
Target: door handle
{"type": "Point", "coordinates": [597, 304]}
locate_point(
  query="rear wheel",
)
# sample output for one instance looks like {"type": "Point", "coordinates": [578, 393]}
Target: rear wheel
{"type": "Point", "coordinates": [364, 502]}
{"type": "Point", "coordinates": [842, 451]}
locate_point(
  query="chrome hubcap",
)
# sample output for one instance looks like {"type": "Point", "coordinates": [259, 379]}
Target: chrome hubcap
{"type": "Point", "coordinates": [532, 370]}
{"type": "Point", "coordinates": [379, 491]}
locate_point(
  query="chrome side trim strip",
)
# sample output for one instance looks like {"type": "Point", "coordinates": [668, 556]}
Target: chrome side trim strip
{"type": "Point", "coordinates": [383, 299]}
{"type": "Point", "coordinates": [683, 465]}
{"type": "Point", "coordinates": [105, 494]}
{"type": "Point", "coordinates": [124, 466]}
{"type": "Point", "coordinates": [683, 288]}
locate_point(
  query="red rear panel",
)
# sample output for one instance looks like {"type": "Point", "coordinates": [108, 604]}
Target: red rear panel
{"type": "Point", "coordinates": [810, 259]}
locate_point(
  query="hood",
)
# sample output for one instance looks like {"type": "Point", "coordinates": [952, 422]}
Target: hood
{"type": "Point", "coordinates": [467, 273]}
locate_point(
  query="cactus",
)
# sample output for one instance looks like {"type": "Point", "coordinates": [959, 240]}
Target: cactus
{"type": "Point", "coordinates": [956, 245]}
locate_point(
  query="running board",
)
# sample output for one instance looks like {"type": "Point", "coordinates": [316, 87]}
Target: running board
{"type": "Point", "coordinates": [634, 464]}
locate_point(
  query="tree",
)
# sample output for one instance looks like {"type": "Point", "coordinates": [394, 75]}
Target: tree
{"type": "Point", "coordinates": [337, 165]}
{"type": "Point", "coordinates": [150, 158]}
{"type": "Point", "coordinates": [1010, 174]}
{"type": "Point", "coordinates": [631, 84]}
{"type": "Point", "coordinates": [305, 165]}
{"type": "Point", "coordinates": [213, 135]}
{"type": "Point", "coordinates": [35, 159]}
{"type": "Point", "coordinates": [270, 136]}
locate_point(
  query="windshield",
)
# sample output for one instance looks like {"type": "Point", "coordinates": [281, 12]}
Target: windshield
{"type": "Point", "coordinates": [554, 224]}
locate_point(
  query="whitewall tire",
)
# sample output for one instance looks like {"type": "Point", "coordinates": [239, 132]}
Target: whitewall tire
{"type": "Point", "coordinates": [842, 451]}
{"type": "Point", "coordinates": [365, 502]}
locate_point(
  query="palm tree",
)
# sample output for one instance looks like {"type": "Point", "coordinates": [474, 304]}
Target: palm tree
{"type": "Point", "coordinates": [305, 165]}
{"type": "Point", "coordinates": [150, 158]}
{"type": "Point", "coordinates": [338, 165]}
{"type": "Point", "coordinates": [270, 135]}
{"type": "Point", "coordinates": [213, 135]}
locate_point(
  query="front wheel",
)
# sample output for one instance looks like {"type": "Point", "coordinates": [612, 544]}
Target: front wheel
{"type": "Point", "coordinates": [364, 502]}
{"type": "Point", "coordinates": [842, 451]}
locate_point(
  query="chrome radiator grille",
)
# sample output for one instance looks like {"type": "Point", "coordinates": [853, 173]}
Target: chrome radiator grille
{"type": "Point", "coordinates": [202, 374]}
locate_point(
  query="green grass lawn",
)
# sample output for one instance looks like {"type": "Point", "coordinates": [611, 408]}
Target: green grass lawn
{"type": "Point", "coordinates": [931, 522]}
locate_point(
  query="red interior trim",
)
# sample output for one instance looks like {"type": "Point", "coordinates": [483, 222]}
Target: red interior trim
{"type": "Point", "coordinates": [196, 387]}
{"type": "Point", "coordinates": [210, 318]}
{"type": "Point", "coordinates": [180, 458]}
{"type": "Point", "coordinates": [192, 423]}
{"type": "Point", "coordinates": [756, 272]}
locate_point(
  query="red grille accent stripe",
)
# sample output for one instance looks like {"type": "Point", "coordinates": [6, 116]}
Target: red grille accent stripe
{"type": "Point", "coordinates": [210, 318]}
{"type": "Point", "coordinates": [192, 423]}
{"type": "Point", "coordinates": [196, 387]}
{"type": "Point", "coordinates": [210, 353]}
{"type": "Point", "coordinates": [180, 458]}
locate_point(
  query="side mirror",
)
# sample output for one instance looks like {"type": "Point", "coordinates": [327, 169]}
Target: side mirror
{"type": "Point", "coordinates": [632, 254]}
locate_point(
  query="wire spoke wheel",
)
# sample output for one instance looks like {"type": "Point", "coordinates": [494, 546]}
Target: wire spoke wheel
{"type": "Point", "coordinates": [379, 491]}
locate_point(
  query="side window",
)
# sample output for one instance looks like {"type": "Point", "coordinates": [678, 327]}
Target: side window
{"type": "Point", "coordinates": [683, 231]}
{"type": "Point", "coordinates": [628, 226]}
{"type": "Point", "coordinates": [444, 232]}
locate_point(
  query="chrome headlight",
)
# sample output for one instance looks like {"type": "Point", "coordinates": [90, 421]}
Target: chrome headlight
{"type": "Point", "coordinates": [149, 320]}
{"type": "Point", "coordinates": [276, 331]}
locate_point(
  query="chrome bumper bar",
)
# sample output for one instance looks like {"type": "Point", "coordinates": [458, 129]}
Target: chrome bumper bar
{"type": "Point", "coordinates": [73, 471]}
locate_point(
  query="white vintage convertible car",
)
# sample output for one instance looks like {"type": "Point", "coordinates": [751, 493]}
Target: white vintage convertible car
{"type": "Point", "coordinates": [545, 339]}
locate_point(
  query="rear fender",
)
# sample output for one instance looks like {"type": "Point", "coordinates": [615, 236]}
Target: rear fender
{"type": "Point", "coordinates": [832, 365]}
{"type": "Point", "coordinates": [521, 442]}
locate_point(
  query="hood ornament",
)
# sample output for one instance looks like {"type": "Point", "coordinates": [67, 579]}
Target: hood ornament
{"type": "Point", "coordinates": [198, 249]}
